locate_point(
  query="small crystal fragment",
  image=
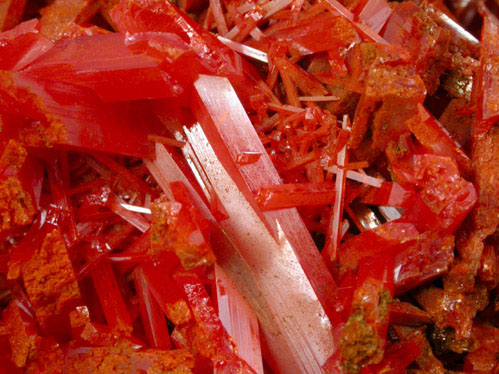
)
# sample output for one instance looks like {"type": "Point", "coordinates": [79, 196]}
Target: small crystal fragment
{"type": "Point", "coordinates": [248, 157]}
{"type": "Point", "coordinates": [294, 195]}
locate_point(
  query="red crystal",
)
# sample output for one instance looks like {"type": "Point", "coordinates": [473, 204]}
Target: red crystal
{"type": "Point", "coordinates": [22, 45]}
{"type": "Point", "coordinates": [294, 195]}
{"type": "Point", "coordinates": [179, 227]}
{"type": "Point", "coordinates": [488, 78]}
{"type": "Point", "coordinates": [223, 354]}
{"type": "Point", "coordinates": [170, 173]}
{"type": "Point", "coordinates": [152, 316]}
{"type": "Point", "coordinates": [392, 194]}
{"type": "Point", "coordinates": [104, 63]}
{"type": "Point", "coordinates": [391, 236]}
{"type": "Point", "coordinates": [239, 320]}
{"type": "Point", "coordinates": [11, 12]}
{"type": "Point", "coordinates": [446, 198]}
{"type": "Point", "coordinates": [255, 254]}
{"type": "Point", "coordinates": [402, 313]}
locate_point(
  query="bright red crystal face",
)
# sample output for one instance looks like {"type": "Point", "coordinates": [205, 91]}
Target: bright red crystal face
{"type": "Point", "coordinates": [22, 45]}
{"type": "Point", "coordinates": [241, 187]}
{"type": "Point", "coordinates": [105, 64]}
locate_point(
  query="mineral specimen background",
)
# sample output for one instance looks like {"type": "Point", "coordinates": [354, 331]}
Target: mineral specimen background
{"type": "Point", "coordinates": [249, 186]}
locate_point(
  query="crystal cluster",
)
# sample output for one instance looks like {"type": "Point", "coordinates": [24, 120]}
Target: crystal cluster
{"type": "Point", "coordinates": [249, 186]}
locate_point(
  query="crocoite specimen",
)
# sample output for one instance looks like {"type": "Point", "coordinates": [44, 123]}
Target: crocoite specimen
{"type": "Point", "coordinates": [240, 187]}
